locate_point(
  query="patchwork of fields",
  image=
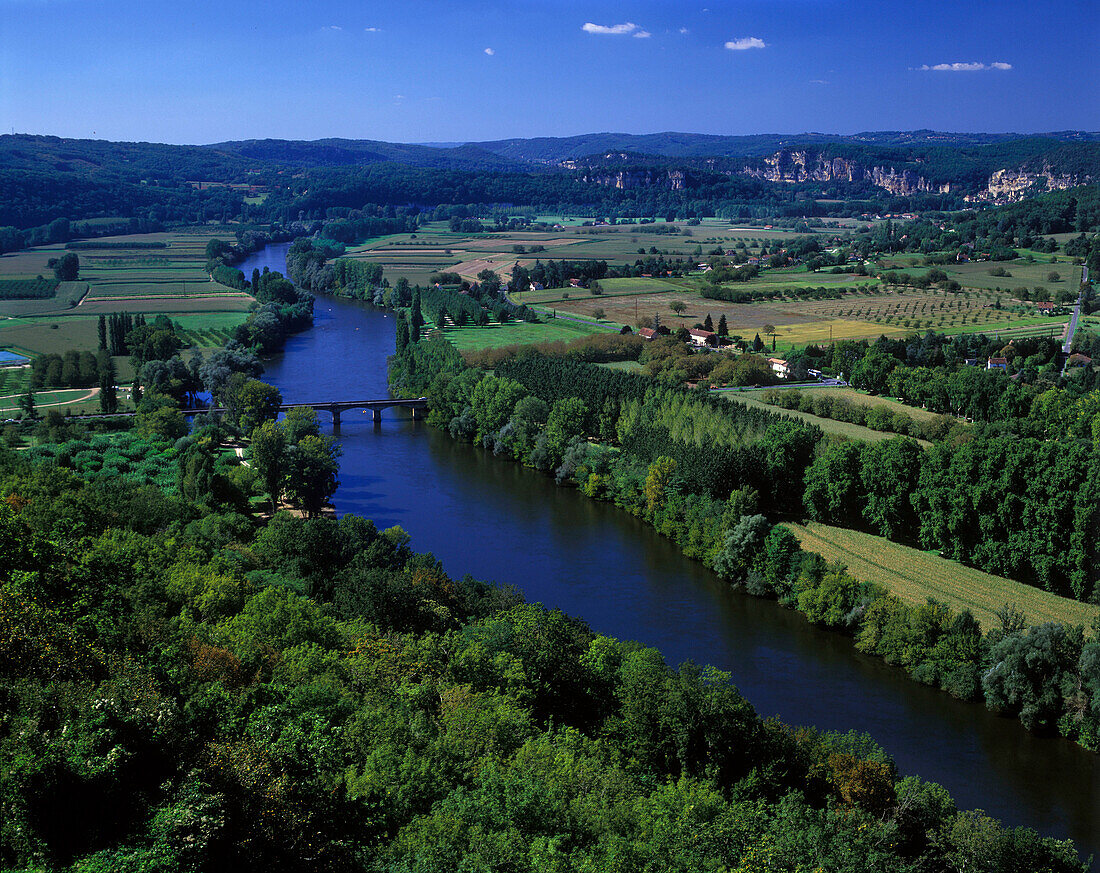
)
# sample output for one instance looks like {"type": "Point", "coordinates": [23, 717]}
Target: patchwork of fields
{"type": "Point", "coordinates": [171, 280]}
{"type": "Point", "coordinates": [435, 247]}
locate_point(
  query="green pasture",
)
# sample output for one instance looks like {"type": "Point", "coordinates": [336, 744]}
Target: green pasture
{"type": "Point", "coordinates": [1023, 275]}
{"type": "Point", "coordinates": [516, 333]}
{"type": "Point", "coordinates": [65, 399]}
{"type": "Point", "coordinates": [862, 398]}
{"type": "Point", "coordinates": [828, 425]}
{"type": "Point", "coordinates": [914, 576]}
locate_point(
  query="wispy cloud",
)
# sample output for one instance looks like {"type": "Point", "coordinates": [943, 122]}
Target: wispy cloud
{"type": "Point", "coordinates": [745, 42]}
{"type": "Point", "coordinates": [623, 29]}
{"type": "Point", "coordinates": [819, 82]}
{"type": "Point", "coordinates": [964, 67]}
{"type": "Point", "coordinates": [642, 34]}
{"type": "Point", "coordinates": [372, 29]}
{"type": "Point", "coordinates": [332, 27]}
{"type": "Point", "coordinates": [684, 30]}
{"type": "Point", "coordinates": [490, 52]}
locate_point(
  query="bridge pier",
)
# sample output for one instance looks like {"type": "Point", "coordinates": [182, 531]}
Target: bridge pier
{"type": "Point", "coordinates": [417, 414]}
{"type": "Point", "coordinates": [377, 412]}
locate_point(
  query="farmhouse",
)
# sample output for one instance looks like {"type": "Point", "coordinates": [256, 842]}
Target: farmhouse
{"type": "Point", "coordinates": [703, 337]}
{"type": "Point", "coordinates": [780, 367]}
{"type": "Point", "coordinates": [647, 333]}
{"type": "Point", "coordinates": [1078, 360]}
{"type": "Point", "coordinates": [997, 364]}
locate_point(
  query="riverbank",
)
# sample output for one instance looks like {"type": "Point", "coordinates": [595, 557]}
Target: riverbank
{"type": "Point", "coordinates": [626, 580]}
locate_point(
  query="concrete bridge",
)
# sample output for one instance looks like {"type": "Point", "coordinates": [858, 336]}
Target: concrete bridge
{"type": "Point", "coordinates": [336, 407]}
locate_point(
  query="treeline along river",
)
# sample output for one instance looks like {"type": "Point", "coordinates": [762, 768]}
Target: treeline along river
{"type": "Point", "coordinates": [497, 520]}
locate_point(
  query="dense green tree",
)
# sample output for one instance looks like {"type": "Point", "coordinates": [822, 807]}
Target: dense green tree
{"type": "Point", "coordinates": [311, 470]}
{"type": "Point", "coordinates": [268, 446]}
{"type": "Point", "coordinates": [250, 402]}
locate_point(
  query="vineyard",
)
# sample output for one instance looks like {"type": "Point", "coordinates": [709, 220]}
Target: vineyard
{"type": "Point", "coordinates": [27, 289]}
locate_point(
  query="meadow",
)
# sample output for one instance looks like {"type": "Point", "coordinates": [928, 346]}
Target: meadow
{"type": "Point", "coordinates": [74, 400]}
{"type": "Point", "coordinates": [862, 398]}
{"type": "Point", "coordinates": [491, 336]}
{"type": "Point", "coordinates": [828, 425]}
{"type": "Point", "coordinates": [914, 576]}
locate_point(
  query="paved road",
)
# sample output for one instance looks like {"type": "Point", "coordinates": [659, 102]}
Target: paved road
{"type": "Point", "coordinates": [1067, 346]}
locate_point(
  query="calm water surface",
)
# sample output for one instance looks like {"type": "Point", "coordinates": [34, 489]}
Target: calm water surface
{"type": "Point", "coordinates": [497, 520]}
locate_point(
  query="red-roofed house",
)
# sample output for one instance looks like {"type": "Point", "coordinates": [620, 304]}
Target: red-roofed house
{"type": "Point", "coordinates": [780, 367]}
{"type": "Point", "coordinates": [997, 364]}
{"type": "Point", "coordinates": [703, 337]}
{"type": "Point", "coordinates": [647, 333]}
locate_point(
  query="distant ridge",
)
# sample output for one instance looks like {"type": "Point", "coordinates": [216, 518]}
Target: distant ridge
{"type": "Point", "coordinates": [699, 145]}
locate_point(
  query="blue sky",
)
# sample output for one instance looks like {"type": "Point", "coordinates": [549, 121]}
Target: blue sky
{"type": "Point", "coordinates": [425, 70]}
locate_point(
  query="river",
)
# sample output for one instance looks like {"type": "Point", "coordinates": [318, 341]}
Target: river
{"type": "Point", "coordinates": [500, 521]}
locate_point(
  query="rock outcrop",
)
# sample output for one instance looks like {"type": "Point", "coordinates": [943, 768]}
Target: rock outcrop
{"type": "Point", "coordinates": [801, 166]}
{"type": "Point", "coordinates": [674, 180]}
{"type": "Point", "coordinates": [1009, 186]}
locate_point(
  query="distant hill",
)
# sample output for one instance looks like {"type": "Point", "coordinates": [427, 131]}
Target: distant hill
{"type": "Point", "coordinates": [698, 145]}
{"type": "Point", "coordinates": [46, 178]}
{"type": "Point", "coordinates": [362, 152]}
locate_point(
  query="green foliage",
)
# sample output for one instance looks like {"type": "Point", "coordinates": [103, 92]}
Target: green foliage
{"type": "Point", "coordinates": [184, 693]}
{"type": "Point", "coordinates": [27, 289]}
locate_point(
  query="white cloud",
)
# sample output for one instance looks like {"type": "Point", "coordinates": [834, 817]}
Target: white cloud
{"type": "Point", "coordinates": [745, 42]}
{"type": "Point", "coordinates": [964, 67]}
{"type": "Point", "coordinates": [490, 52]}
{"type": "Point", "coordinates": [642, 34]}
{"type": "Point", "coordinates": [684, 30]}
{"type": "Point", "coordinates": [372, 29]}
{"type": "Point", "coordinates": [612, 29]}
{"type": "Point", "coordinates": [332, 27]}
{"type": "Point", "coordinates": [819, 82]}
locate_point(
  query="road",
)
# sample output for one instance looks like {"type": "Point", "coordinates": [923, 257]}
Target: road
{"type": "Point", "coordinates": [1067, 346]}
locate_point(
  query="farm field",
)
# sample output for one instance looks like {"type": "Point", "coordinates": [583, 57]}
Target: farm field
{"type": "Point", "coordinates": [170, 280]}
{"type": "Point", "coordinates": [863, 399]}
{"type": "Point", "coordinates": [516, 333]}
{"type": "Point", "coordinates": [914, 576]}
{"type": "Point", "coordinates": [435, 247]}
{"type": "Point", "coordinates": [828, 425]}
{"type": "Point", "coordinates": [978, 275]}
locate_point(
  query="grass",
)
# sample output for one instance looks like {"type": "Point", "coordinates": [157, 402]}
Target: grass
{"type": "Point", "coordinates": [828, 425]}
{"type": "Point", "coordinates": [624, 366]}
{"type": "Point", "coordinates": [914, 576]}
{"type": "Point", "coordinates": [75, 400]}
{"type": "Point", "coordinates": [863, 399]}
{"type": "Point", "coordinates": [515, 333]}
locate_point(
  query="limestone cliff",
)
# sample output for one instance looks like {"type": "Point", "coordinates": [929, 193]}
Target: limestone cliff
{"type": "Point", "coordinates": [800, 166]}
{"type": "Point", "coordinates": [623, 179]}
{"type": "Point", "coordinates": [1008, 186]}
